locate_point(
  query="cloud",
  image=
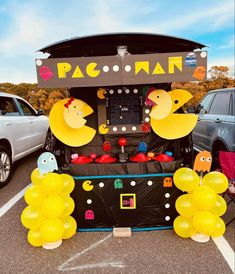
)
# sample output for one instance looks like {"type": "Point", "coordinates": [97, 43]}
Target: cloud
{"type": "Point", "coordinates": [228, 43]}
{"type": "Point", "coordinates": [25, 34]}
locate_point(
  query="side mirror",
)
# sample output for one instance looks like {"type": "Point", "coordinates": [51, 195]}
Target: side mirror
{"type": "Point", "coordinates": [191, 109]}
{"type": "Point", "coordinates": [40, 112]}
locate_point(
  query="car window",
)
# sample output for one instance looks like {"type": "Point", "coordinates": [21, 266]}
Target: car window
{"type": "Point", "coordinates": [8, 107]}
{"type": "Point", "coordinates": [220, 104]}
{"type": "Point", "coordinates": [27, 110]}
{"type": "Point", "coordinates": [203, 107]}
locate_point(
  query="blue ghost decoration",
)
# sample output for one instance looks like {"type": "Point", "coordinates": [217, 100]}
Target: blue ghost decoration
{"type": "Point", "coordinates": [47, 163]}
{"type": "Point", "coordinates": [142, 147]}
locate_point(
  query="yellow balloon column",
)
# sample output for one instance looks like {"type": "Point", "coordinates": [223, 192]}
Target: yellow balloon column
{"type": "Point", "coordinates": [201, 208]}
{"type": "Point", "coordinates": [47, 215]}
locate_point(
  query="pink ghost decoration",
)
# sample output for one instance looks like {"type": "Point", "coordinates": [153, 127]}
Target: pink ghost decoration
{"type": "Point", "coordinates": [45, 73]}
{"type": "Point", "coordinates": [89, 215]}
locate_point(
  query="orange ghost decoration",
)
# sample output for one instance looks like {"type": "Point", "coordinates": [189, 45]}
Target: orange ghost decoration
{"type": "Point", "coordinates": [199, 73]}
{"type": "Point", "coordinates": [167, 182]}
{"type": "Point", "coordinates": [203, 161]}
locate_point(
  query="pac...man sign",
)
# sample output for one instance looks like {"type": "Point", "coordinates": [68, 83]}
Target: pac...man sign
{"type": "Point", "coordinates": [115, 70]}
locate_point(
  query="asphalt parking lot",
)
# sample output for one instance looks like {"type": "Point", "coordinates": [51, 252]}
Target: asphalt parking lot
{"type": "Point", "coordinates": [89, 252]}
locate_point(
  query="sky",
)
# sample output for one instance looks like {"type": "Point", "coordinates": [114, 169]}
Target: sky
{"type": "Point", "coordinates": [28, 25]}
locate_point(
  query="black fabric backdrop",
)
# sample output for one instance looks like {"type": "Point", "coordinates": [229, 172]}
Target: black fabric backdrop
{"type": "Point", "coordinates": [151, 209]}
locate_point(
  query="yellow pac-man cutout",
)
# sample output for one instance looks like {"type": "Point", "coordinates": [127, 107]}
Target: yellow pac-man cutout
{"type": "Point", "coordinates": [174, 126]}
{"type": "Point", "coordinates": [87, 185]}
{"type": "Point", "coordinates": [73, 114]}
{"type": "Point", "coordinates": [103, 129]}
{"type": "Point", "coordinates": [101, 93]}
{"type": "Point", "coordinates": [163, 121]}
{"type": "Point", "coordinates": [179, 98]}
{"type": "Point", "coordinates": [67, 123]}
{"type": "Point", "coordinates": [163, 104]}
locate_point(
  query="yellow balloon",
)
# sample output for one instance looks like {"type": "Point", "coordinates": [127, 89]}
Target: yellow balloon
{"type": "Point", "coordinates": [68, 183]}
{"type": "Point", "coordinates": [68, 206]}
{"type": "Point", "coordinates": [184, 205]}
{"type": "Point", "coordinates": [36, 178]}
{"type": "Point", "coordinates": [52, 184]}
{"type": "Point", "coordinates": [34, 237]}
{"type": "Point", "coordinates": [52, 230]}
{"type": "Point", "coordinates": [204, 222]}
{"type": "Point", "coordinates": [220, 228]}
{"type": "Point", "coordinates": [70, 227]}
{"type": "Point", "coordinates": [220, 206]}
{"type": "Point", "coordinates": [186, 179]}
{"type": "Point", "coordinates": [34, 196]}
{"type": "Point", "coordinates": [216, 180]}
{"type": "Point", "coordinates": [183, 227]}
{"type": "Point", "coordinates": [53, 206]}
{"type": "Point", "coordinates": [32, 217]}
{"type": "Point", "coordinates": [204, 197]}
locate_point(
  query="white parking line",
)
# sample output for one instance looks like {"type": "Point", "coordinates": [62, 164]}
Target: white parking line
{"type": "Point", "coordinates": [223, 246]}
{"type": "Point", "coordinates": [226, 250]}
{"type": "Point", "coordinates": [12, 201]}
{"type": "Point", "coordinates": [69, 264]}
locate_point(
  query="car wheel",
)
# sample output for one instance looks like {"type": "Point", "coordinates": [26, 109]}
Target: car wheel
{"type": "Point", "coordinates": [5, 166]}
{"type": "Point", "coordinates": [50, 141]}
{"type": "Point", "coordinates": [215, 156]}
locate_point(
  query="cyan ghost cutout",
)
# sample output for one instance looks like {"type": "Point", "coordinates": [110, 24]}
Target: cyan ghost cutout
{"type": "Point", "coordinates": [47, 163]}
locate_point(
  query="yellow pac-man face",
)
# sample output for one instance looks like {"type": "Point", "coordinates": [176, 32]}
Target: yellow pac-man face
{"type": "Point", "coordinates": [103, 129]}
{"type": "Point", "coordinates": [163, 104]}
{"type": "Point", "coordinates": [87, 185]}
{"type": "Point", "coordinates": [101, 93]}
{"type": "Point", "coordinates": [73, 114]}
{"type": "Point", "coordinates": [67, 122]}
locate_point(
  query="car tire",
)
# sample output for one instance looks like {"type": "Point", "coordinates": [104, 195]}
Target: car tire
{"type": "Point", "coordinates": [215, 156]}
{"type": "Point", "coordinates": [5, 166]}
{"type": "Point", "coordinates": [49, 142]}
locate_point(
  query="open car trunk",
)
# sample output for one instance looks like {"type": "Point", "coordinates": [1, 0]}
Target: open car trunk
{"type": "Point", "coordinates": [138, 194]}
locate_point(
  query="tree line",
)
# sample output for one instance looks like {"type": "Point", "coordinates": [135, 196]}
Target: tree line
{"type": "Point", "coordinates": [46, 98]}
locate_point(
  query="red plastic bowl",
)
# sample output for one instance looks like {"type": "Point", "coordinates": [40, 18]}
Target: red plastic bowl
{"type": "Point", "coordinates": [140, 158]}
{"type": "Point", "coordinates": [163, 158]}
{"type": "Point", "coordinates": [105, 159]}
{"type": "Point", "coordinates": [82, 160]}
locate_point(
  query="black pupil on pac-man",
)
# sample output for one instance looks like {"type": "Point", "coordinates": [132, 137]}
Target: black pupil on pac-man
{"type": "Point", "coordinates": [74, 106]}
{"type": "Point", "coordinates": [157, 96]}
{"type": "Point", "coordinates": [176, 101]}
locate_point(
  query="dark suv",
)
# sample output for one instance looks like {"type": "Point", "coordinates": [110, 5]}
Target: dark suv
{"type": "Point", "coordinates": [215, 130]}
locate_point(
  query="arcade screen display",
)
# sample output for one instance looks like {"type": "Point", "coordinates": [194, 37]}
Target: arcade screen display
{"type": "Point", "coordinates": [123, 110]}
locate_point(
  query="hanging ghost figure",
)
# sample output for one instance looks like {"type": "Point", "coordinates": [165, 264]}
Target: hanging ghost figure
{"type": "Point", "coordinates": [47, 163]}
{"type": "Point", "coordinates": [203, 161]}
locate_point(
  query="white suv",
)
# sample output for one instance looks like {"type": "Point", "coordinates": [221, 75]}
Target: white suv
{"type": "Point", "coordinates": [22, 131]}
